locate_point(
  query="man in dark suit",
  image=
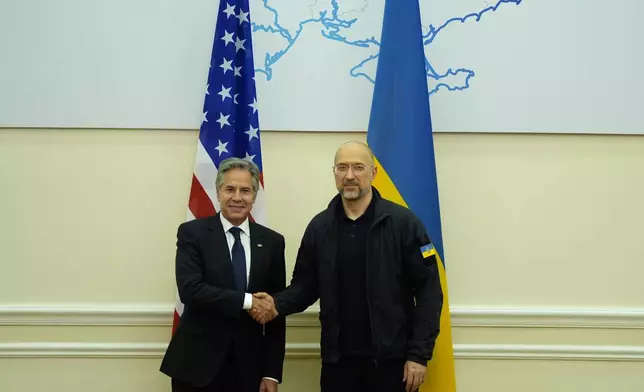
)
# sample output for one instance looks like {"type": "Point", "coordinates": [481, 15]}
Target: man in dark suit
{"type": "Point", "coordinates": [220, 261]}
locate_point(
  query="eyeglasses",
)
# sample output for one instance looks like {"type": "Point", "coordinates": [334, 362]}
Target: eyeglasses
{"type": "Point", "coordinates": [357, 168]}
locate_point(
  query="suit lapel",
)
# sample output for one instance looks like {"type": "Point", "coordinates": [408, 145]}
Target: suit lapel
{"type": "Point", "coordinates": [221, 257]}
{"type": "Point", "coordinates": [256, 255]}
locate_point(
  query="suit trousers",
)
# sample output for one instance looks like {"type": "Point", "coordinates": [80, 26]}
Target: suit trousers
{"type": "Point", "coordinates": [229, 378]}
{"type": "Point", "coordinates": [356, 375]}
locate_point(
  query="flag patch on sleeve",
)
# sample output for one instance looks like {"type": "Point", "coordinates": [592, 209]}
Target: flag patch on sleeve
{"type": "Point", "coordinates": [427, 250]}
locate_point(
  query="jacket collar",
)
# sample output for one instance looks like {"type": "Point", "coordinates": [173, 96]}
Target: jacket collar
{"type": "Point", "coordinates": [336, 202]}
{"type": "Point", "coordinates": [218, 223]}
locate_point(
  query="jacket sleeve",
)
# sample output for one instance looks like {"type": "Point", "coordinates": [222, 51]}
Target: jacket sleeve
{"type": "Point", "coordinates": [275, 331]}
{"type": "Point", "coordinates": [303, 290]}
{"type": "Point", "coordinates": [193, 291]}
{"type": "Point", "coordinates": [423, 275]}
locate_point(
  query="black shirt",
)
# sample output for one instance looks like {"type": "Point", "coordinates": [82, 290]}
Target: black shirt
{"type": "Point", "coordinates": [355, 328]}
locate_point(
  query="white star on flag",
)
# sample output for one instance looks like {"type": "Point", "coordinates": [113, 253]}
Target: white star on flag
{"type": "Point", "coordinates": [252, 132]}
{"type": "Point", "coordinates": [249, 157]}
{"type": "Point", "coordinates": [254, 105]}
{"type": "Point", "coordinates": [225, 93]}
{"type": "Point", "coordinates": [221, 147]}
{"type": "Point", "coordinates": [228, 38]}
{"type": "Point", "coordinates": [243, 16]}
{"type": "Point", "coordinates": [238, 71]}
{"type": "Point", "coordinates": [239, 44]}
{"type": "Point", "coordinates": [226, 66]}
{"type": "Point", "coordinates": [203, 117]}
{"type": "Point", "coordinates": [223, 120]}
{"type": "Point", "coordinates": [229, 11]}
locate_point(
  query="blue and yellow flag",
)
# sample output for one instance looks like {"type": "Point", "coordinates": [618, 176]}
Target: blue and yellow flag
{"type": "Point", "coordinates": [400, 135]}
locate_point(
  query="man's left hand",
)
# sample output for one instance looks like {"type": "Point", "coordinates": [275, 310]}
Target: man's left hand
{"type": "Point", "coordinates": [414, 376]}
{"type": "Point", "coordinates": [268, 386]}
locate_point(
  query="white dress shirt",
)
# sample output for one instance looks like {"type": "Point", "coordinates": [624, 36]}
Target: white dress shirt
{"type": "Point", "coordinates": [244, 236]}
{"type": "Point", "coordinates": [245, 240]}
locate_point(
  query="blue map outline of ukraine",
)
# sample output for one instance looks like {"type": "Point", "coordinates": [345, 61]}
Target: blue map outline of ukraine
{"type": "Point", "coordinates": [357, 23]}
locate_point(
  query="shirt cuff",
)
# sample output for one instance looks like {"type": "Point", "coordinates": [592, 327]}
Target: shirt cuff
{"type": "Point", "coordinates": [272, 379]}
{"type": "Point", "coordinates": [248, 301]}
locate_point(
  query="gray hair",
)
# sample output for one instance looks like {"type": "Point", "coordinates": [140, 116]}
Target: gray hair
{"type": "Point", "coordinates": [238, 163]}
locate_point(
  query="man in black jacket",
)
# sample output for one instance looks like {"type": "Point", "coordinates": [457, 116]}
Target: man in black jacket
{"type": "Point", "coordinates": [380, 295]}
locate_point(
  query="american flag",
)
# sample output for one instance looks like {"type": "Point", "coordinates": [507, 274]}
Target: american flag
{"type": "Point", "coordinates": [230, 120]}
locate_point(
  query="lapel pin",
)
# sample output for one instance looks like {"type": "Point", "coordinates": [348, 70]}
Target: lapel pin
{"type": "Point", "coordinates": [259, 245]}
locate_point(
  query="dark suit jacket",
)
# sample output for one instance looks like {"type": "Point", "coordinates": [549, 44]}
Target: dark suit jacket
{"type": "Point", "coordinates": [213, 323]}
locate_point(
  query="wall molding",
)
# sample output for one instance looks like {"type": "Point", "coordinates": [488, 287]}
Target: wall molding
{"type": "Point", "coordinates": [549, 352]}
{"type": "Point", "coordinates": [312, 351]}
{"type": "Point", "coordinates": [87, 315]}
{"type": "Point", "coordinates": [546, 317]}
{"type": "Point", "coordinates": [119, 350]}
{"type": "Point", "coordinates": [81, 350]}
{"type": "Point", "coordinates": [161, 315]}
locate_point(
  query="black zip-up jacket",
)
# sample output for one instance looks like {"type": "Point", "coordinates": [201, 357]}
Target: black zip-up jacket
{"type": "Point", "coordinates": [404, 294]}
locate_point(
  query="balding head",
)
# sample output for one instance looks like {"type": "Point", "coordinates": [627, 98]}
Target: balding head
{"type": "Point", "coordinates": [355, 149]}
{"type": "Point", "coordinates": [354, 170]}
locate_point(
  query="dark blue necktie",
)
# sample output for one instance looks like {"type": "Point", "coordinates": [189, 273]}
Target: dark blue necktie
{"type": "Point", "coordinates": [238, 257]}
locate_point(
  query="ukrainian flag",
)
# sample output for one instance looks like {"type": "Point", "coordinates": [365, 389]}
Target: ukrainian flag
{"type": "Point", "coordinates": [400, 135]}
{"type": "Point", "coordinates": [428, 251]}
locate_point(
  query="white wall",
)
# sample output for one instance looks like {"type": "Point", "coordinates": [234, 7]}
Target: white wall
{"type": "Point", "coordinates": [541, 238]}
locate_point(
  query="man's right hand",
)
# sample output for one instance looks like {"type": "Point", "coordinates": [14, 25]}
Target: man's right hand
{"type": "Point", "coordinates": [263, 309]}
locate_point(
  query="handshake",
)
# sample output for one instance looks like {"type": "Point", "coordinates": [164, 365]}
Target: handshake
{"type": "Point", "coordinates": [263, 309]}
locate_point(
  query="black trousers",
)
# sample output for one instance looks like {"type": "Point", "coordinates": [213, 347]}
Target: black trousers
{"type": "Point", "coordinates": [357, 375]}
{"type": "Point", "coordinates": [231, 377]}
{"type": "Point", "coordinates": [223, 384]}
